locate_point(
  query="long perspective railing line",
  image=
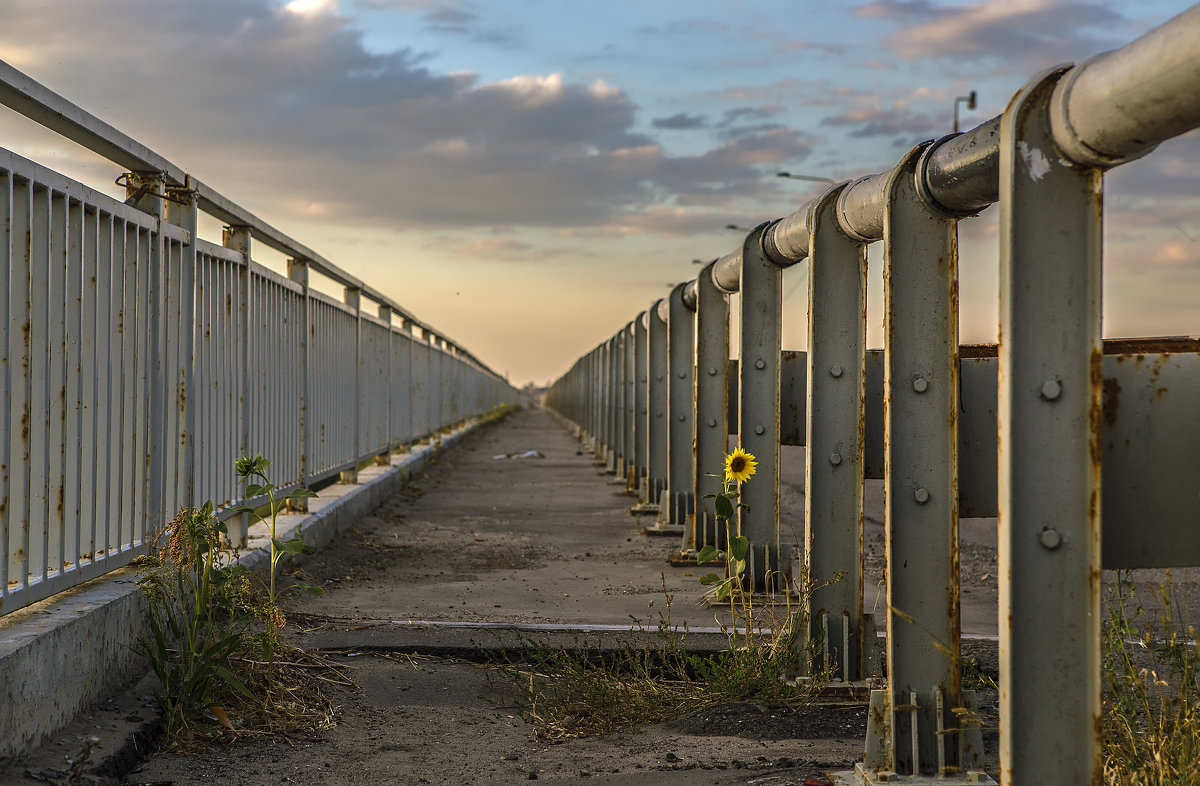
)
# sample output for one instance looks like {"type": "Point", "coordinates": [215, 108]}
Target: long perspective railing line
{"type": "Point", "coordinates": [1052, 430]}
{"type": "Point", "coordinates": [138, 360]}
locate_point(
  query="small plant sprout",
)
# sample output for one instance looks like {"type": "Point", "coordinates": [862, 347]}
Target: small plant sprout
{"type": "Point", "coordinates": [739, 467]}
{"type": "Point", "coordinates": [253, 473]}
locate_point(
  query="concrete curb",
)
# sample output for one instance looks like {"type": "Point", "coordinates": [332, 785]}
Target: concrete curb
{"type": "Point", "coordinates": [67, 652]}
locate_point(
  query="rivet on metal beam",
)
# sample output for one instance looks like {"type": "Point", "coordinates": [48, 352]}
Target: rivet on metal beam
{"type": "Point", "coordinates": [658, 414]}
{"type": "Point", "coordinates": [835, 459]}
{"type": "Point", "coordinates": [760, 364]}
{"type": "Point", "coordinates": [759, 430]}
{"type": "Point", "coordinates": [1051, 390]}
{"type": "Point", "coordinates": [835, 371]}
{"type": "Point", "coordinates": [712, 371]}
{"type": "Point", "coordinates": [682, 374]}
{"type": "Point", "coordinates": [712, 422]}
{"type": "Point", "coordinates": [921, 495]}
{"type": "Point", "coordinates": [1050, 538]}
{"type": "Point", "coordinates": [920, 385]}
{"type": "Point", "coordinates": [682, 418]}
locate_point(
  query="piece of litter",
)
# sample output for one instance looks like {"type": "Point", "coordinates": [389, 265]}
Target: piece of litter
{"type": "Point", "coordinates": [531, 454]}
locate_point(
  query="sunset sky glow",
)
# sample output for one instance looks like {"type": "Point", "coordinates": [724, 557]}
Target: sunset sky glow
{"type": "Point", "coordinates": [529, 175]}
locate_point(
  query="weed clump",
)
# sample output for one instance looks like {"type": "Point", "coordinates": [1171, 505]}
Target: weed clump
{"type": "Point", "coordinates": [587, 691]}
{"type": "Point", "coordinates": [1151, 727]}
{"type": "Point", "coordinates": [215, 643]}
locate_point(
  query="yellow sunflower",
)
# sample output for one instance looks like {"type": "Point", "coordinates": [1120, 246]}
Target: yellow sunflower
{"type": "Point", "coordinates": [739, 465]}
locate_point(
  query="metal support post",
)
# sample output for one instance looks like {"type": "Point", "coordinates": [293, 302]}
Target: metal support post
{"type": "Point", "coordinates": [145, 189]}
{"type": "Point", "coordinates": [596, 432]}
{"type": "Point", "coordinates": [656, 426]}
{"type": "Point", "coordinates": [758, 410]}
{"type": "Point", "coordinates": [183, 212]}
{"type": "Point", "coordinates": [641, 397]}
{"type": "Point", "coordinates": [920, 469]}
{"type": "Point", "coordinates": [681, 385]}
{"type": "Point", "coordinates": [833, 502]}
{"type": "Point", "coordinates": [588, 383]}
{"type": "Point", "coordinates": [238, 238]}
{"type": "Point", "coordinates": [385, 313]}
{"type": "Point", "coordinates": [1049, 420]}
{"type": "Point", "coordinates": [615, 407]}
{"type": "Point", "coordinates": [297, 270]}
{"type": "Point", "coordinates": [628, 447]}
{"type": "Point", "coordinates": [712, 403]}
{"type": "Point", "coordinates": [352, 296]}
{"type": "Point", "coordinates": [405, 384]}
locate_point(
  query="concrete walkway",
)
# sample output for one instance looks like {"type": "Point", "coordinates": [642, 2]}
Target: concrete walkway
{"type": "Point", "coordinates": [529, 540]}
{"type": "Point", "coordinates": [485, 549]}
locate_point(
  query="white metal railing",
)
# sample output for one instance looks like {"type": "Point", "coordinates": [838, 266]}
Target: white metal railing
{"type": "Point", "coordinates": [1052, 430]}
{"type": "Point", "coordinates": [137, 361]}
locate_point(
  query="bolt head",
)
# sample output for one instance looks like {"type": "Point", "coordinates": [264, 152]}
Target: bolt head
{"type": "Point", "coordinates": [835, 371]}
{"type": "Point", "coordinates": [760, 364]}
{"type": "Point", "coordinates": [835, 459]}
{"type": "Point", "coordinates": [1051, 389]}
{"type": "Point", "coordinates": [920, 385]}
{"type": "Point", "coordinates": [712, 422]}
{"type": "Point", "coordinates": [682, 374]}
{"type": "Point", "coordinates": [682, 418]}
{"type": "Point", "coordinates": [921, 495]}
{"type": "Point", "coordinates": [658, 414]}
{"type": "Point", "coordinates": [1049, 538]}
{"type": "Point", "coordinates": [712, 371]}
{"type": "Point", "coordinates": [759, 430]}
{"type": "Point", "coordinates": [658, 378]}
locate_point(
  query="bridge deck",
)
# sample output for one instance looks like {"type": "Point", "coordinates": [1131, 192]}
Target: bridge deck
{"type": "Point", "coordinates": [551, 541]}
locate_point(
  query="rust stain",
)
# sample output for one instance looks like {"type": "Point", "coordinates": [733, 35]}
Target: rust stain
{"type": "Point", "coordinates": [979, 351]}
{"type": "Point", "coordinates": [1111, 400]}
{"type": "Point", "coordinates": [1139, 347]}
{"type": "Point", "coordinates": [1095, 444]}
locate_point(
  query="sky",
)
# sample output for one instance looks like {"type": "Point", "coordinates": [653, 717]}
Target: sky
{"type": "Point", "coordinates": [528, 175]}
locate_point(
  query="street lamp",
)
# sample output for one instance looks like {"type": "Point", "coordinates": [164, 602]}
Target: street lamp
{"type": "Point", "coordinates": [969, 100]}
{"type": "Point", "coordinates": [812, 178]}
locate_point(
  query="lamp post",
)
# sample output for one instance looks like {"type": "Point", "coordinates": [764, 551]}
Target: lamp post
{"type": "Point", "coordinates": [969, 100]}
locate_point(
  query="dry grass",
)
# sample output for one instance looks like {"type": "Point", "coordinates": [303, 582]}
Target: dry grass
{"type": "Point", "coordinates": [1152, 692]}
{"type": "Point", "coordinates": [584, 690]}
{"type": "Point", "coordinates": [292, 697]}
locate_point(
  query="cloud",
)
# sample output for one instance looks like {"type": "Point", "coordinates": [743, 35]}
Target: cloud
{"type": "Point", "coordinates": [1024, 33]}
{"type": "Point", "coordinates": [832, 50]}
{"type": "Point", "coordinates": [680, 122]}
{"type": "Point", "coordinates": [289, 114]}
{"type": "Point", "coordinates": [502, 249]}
{"type": "Point", "coordinates": [902, 126]}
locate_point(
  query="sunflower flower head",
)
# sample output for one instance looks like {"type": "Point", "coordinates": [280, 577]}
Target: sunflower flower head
{"type": "Point", "coordinates": [739, 465]}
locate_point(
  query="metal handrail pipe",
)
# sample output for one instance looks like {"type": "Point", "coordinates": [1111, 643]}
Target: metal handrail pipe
{"type": "Point", "coordinates": [1119, 105]}
{"type": "Point", "coordinates": [690, 294]}
{"type": "Point", "coordinates": [33, 100]}
{"type": "Point", "coordinates": [663, 308]}
{"type": "Point", "coordinates": [1113, 108]}
{"type": "Point", "coordinates": [727, 272]}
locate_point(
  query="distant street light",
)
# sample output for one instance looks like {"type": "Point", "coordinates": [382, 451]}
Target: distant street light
{"type": "Point", "coordinates": [969, 100]}
{"type": "Point", "coordinates": [813, 178]}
